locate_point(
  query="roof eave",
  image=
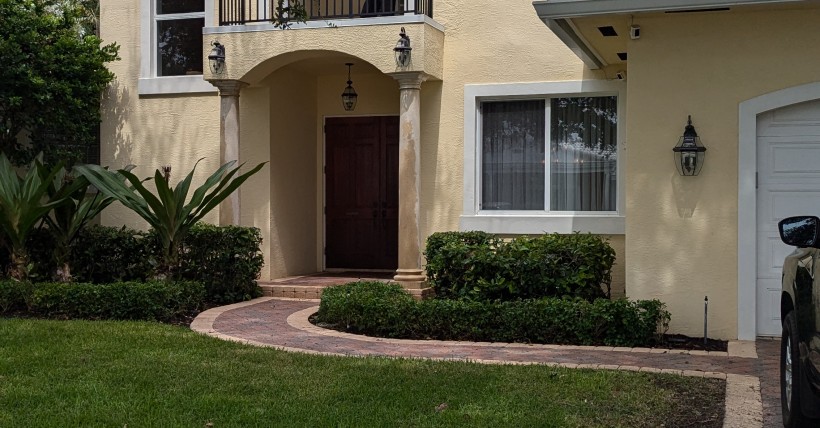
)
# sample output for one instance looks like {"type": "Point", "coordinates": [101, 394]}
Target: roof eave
{"type": "Point", "coordinates": [557, 9]}
{"type": "Point", "coordinates": [568, 34]}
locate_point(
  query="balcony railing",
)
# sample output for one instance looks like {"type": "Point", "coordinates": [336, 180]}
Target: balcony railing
{"type": "Point", "coordinates": [237, 12]}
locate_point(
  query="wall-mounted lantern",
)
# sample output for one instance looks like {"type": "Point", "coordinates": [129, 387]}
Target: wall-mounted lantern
{"type": "Point", "coordinates": [349, 96]}
{"type": "Point", "coordinates": [403, 50]}
{"type": "Point", "coordinates": [217, 58]}
{"type": "Point", "coordinates": [689, 153]}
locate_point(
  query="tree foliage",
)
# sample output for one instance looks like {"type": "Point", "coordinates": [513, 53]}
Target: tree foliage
{"type": "Point", "coordinates": [53, 74]}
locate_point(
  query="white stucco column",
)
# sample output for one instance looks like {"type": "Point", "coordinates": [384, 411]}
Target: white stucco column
{"type": "Point", "coordinates": [410, 274]}
{"type": "Point", "coordinates": [229, 141]}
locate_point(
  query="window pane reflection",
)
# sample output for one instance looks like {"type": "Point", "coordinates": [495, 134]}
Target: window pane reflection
{"type": "Point", "coordinates": [179, 43]}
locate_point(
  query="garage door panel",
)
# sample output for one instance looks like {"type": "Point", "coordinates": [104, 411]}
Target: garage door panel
{"type": "Point", "coordinates": [791, 203]}
{"type": "Point", "coordinates": [795, 120]}
{"type": "Point", "coordinates": [796, 159]}
{"type": "Point", "coordinates": [770, 256]}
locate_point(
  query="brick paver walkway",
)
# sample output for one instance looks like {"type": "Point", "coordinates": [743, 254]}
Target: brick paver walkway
{"type": "Point", "coordinates": [267, 323]}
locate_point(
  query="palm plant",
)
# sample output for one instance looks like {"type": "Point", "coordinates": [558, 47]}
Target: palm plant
{"type": "Point", "coordinates": [167, 212]}
{"type": "Point", "coordinates": [81, 203]}
{"type": "Point", "coordinates": [23, 202]}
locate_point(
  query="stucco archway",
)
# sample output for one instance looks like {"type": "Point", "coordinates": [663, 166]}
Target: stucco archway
{"type": "Point", "coordinates": [747, 196]}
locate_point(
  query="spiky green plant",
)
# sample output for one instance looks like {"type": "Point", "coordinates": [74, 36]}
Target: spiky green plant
{"type": "Point", "coordinates": [81, 203]}
{"type": "Point", "coordinates": [167, 211]}
{"type": "Point", "coordinates": [24, 201]}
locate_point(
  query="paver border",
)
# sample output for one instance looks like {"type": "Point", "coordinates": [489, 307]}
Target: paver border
{"type": "Point", "coordinates": [743, 406]}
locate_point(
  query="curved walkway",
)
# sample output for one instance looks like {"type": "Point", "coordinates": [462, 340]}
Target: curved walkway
{"type": "Point", "coordinates": [750, 369]}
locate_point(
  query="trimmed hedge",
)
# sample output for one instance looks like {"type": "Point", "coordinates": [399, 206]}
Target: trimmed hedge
{"type": "Point", "coordinates": [102, 255]}
{"type": "Point", "coordinates": [226, 259]}
{"type": "Point", "coordinates": [385, 310]}
{"type": "Point", "coordinates": [477, 265]}
{"type": "Point", "coordinates": [155, 300]}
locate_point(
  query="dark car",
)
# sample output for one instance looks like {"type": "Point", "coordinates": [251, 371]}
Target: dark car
{"type": "Point", "coordinates": [800, 312]}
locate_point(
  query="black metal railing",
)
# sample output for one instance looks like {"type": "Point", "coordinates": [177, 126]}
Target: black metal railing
{"type": "Point", "coordinates": [238, 12]}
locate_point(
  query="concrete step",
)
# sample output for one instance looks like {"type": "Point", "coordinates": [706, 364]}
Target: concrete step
{"type": "Point", "coordinates": [311, 286]}
{"type": "Point", "coordinates": [293, 291]}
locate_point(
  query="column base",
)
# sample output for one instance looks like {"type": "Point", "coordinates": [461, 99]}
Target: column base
{"type": "Point", "coordinates": [414, 282]}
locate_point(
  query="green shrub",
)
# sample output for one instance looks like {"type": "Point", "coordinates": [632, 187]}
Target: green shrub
{"type": "Point", "coordinates": [15, 296]}
{"type": "Point", "coordinates": [118, 301]}
{"type": "Point", "coordinates": [368, 307]}
{"type": "Point", "coordinates": [226, 259]}
{"type": "Point", "coordinates": [102, 255]}
{"type": "Point", "coordinates": [384, 310]}
{"type": "Point", "coordinates": [458, 261]}
{"type": "Point", "coordinates": [476, 265]}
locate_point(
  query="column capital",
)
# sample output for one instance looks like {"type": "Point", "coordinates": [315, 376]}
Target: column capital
{"type": "Point", "coordinates": [409, 79]}
{"type": "Point", "coordinates": [228, 87]}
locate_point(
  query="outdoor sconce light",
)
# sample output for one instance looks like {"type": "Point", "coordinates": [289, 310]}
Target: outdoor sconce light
{"type": "Point", "coordinates": [349, 96]}
{"type": "Point", "coordinates": [689, 153]}
{"type": "Point", "coordinates": [217, 58]}
{"type": "Point", "coordinates": [403, 50]}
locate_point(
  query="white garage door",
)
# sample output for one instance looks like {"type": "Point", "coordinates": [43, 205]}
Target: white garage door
{"type": "Point", "coordinates": [788, 165]}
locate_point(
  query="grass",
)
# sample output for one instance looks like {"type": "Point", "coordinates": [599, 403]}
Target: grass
{"type": "Point", "coordinates": [113, 374]}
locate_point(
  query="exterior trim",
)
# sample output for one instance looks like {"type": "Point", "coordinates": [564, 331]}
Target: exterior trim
{"type": "Point", "coordinates": [149, 83]}
{"type": "Point", "coordinates": [567, 33]}
{"type": "Point", "coordinates": [522, 222]}
{"type": "Point", "coordinates": [174, 85]}
{"type": "Point", "coordinates": [747, 197]}
{"type": "Point", "coordinates": [554, 9]}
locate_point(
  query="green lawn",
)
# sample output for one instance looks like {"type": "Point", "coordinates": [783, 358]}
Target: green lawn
{"type": "Point", "coordinates": [112, 374]}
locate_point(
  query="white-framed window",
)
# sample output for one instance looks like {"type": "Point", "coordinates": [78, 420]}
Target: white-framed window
{"type": "Point", "coordinates": [544, 157]}
{"type": "Point", "coordinates": [172, 57]}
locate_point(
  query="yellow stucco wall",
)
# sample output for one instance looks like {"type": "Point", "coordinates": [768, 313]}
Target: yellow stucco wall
{"type": "Point", "coordinates": [150, 131]}
{"type": "Point", "coordinates": [681, 235]}
{"type": "Point", "coordinates": [292, 90]}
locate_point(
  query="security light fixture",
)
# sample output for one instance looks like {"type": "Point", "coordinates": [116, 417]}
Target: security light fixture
{"type": "Point", "coordinates": [217, 58]}
{"type": "Point", "coordinates": [689, 153]}
{"type": "Point", "coordinates": [403, 50]}
{"type": "Point", "coordinates": [349, 96]}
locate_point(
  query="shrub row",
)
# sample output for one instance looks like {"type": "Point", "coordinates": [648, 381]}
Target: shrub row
{"type": "Point", "coordinates": [385, 310]}
{"type": "Point", "coordinates": [480, 266]}
{"type": "Point", "coordinates": [156, 300]}
{"type": "Point", "coordinates": [226, 259]}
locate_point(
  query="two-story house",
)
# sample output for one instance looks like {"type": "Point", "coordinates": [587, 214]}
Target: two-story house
{"type": "Point", "coordinates": [513, 117]}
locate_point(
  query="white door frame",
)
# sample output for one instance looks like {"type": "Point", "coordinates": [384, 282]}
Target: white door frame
{"type": "Point", "coordinates": [747, 197]}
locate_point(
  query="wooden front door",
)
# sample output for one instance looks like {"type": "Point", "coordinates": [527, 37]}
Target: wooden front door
{"type": "Point", "coordinates": [362, 192]}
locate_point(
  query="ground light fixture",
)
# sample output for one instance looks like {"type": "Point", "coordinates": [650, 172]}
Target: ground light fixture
{"type": "Point", "coordinates": [689, 153]}
{"type": "Point", "coordinates": [403, 50]}
{"type": "Point", "coordinates": [217, 58]}
{"type": "Point", "coordinates": [349, 96]}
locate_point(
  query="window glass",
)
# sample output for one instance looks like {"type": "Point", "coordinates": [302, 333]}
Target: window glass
{"type": "Point", "coordinates": [179, 6]}
{"type": "Point", "coordinates": [583, 154]}
{"type": "Point", "coordinates": [512, 152]}
{"type": "Point", "coordinates": [179, 43]}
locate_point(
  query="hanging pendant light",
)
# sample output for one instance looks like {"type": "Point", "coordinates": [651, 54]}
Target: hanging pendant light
{"type": "Point", "coordinates": [349, 96]}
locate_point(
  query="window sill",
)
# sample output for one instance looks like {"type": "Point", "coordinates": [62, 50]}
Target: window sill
{"type": "Point", "coordinates": [174, 85]}
{"type": "Point", "coordinates": [604, 224]}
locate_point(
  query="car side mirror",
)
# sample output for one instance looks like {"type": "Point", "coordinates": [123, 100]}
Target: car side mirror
{"type": "Point", "coordinates": [800, 231]}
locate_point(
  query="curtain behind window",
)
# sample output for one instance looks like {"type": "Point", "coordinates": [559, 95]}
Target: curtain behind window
{"type": "Point", "coordinates": [583, 154]}
{"type": "Point", "coordinates": [512, 153]}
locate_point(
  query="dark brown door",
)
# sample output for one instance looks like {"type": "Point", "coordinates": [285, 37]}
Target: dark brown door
{"type": "Point", "coordinates": [362, 192]}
